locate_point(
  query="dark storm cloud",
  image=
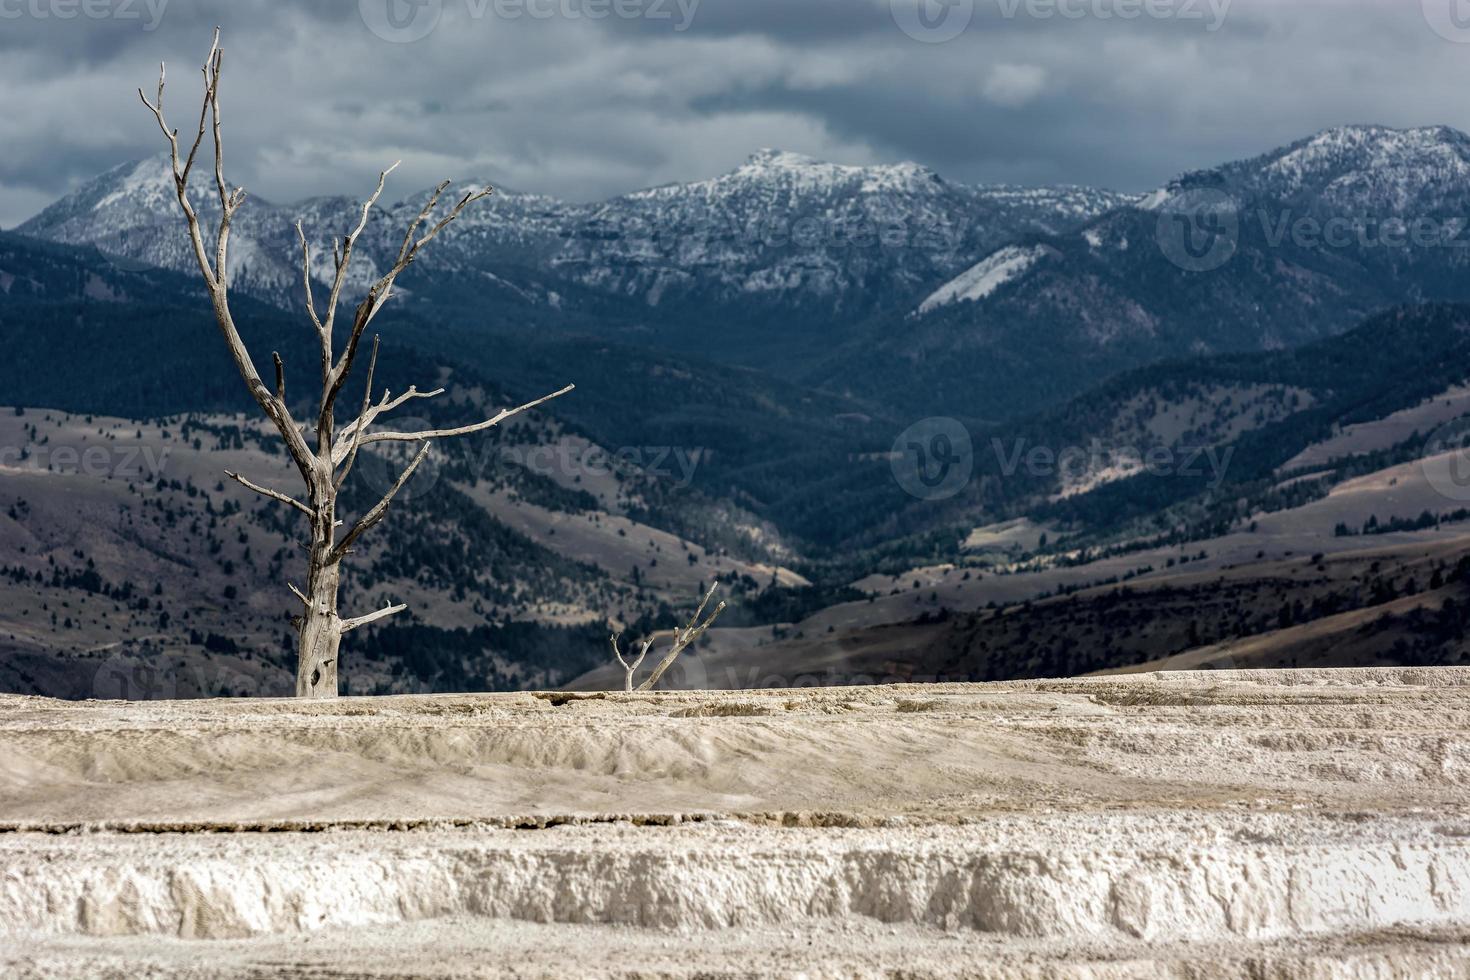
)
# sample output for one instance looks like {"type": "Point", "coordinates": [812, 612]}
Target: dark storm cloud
{"type": "Point", "coordinates": [1048, 149]}
{"type": "Point", "coordinates": [588, 98]}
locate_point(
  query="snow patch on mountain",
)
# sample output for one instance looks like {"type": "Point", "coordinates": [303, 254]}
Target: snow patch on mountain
{"type": "Point", "coordinates": [1155, 201]}
{"type": "Point", "coordinates": [148, 184]}
{"type": "Point", "coordinates": [985, 278]}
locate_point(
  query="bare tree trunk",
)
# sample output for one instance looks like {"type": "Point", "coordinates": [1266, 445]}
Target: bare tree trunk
{"type": "Point", "coordinates": [321, 633]}
{"type": "Point", "coordinates": [325, 469]}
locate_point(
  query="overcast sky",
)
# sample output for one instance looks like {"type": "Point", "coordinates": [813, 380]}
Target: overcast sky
{"type": "Point", "coordinates": [588, 98]}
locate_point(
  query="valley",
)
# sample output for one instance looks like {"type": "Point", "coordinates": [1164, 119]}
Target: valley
{"type": "Point", "coordinates": [1170, 496]}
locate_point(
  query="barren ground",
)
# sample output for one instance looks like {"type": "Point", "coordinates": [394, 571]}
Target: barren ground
{"type": "Point", "coordinates": [1278, 824]}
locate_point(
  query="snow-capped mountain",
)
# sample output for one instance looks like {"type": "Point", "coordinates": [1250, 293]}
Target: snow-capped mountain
{"type": "Point", "coordinates": [837, 240]}
{"type": "Point", "coordinates": [1394, 170]}
{"type": "Point", "coordinates": [1283, 249]}
{"type": "Point", "coordinates": [131, 214]}
{"type": "Point", "coordinates": [787, 227]}
{"type": "Point", "coordinates": [892, 283]}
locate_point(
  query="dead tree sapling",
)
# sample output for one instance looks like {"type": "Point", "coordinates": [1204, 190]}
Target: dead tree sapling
{"type": "Point", "coordinates": [683, 638]}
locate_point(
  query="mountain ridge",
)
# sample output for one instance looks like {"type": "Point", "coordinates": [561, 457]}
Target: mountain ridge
{"type": "Point", "coordinates": [871, 282]}
{"type": "Point", "coordinates": [781, 227]}
{"type": "Point", "coordinates": [1303, 242]}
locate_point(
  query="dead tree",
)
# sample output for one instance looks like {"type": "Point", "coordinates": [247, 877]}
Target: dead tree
{"type": "Point", "coordinates": [325, 466]}
{"type": "Point", "coordinates": [683, 638]}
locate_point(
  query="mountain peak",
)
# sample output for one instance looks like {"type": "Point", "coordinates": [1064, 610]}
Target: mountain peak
{"type": "Point", "coordinates": [1368, 132]}
{"type": "Point", "coordinates": [769, 157]}
{"type": "Point", "coordinates": [1373, 144]}
{"type": "Point", "coordinates": [1400, 163]}
{"type": "Point", "coordinates": [1380, 167]}
{"type": "Point", "coordinates": [797, 169]}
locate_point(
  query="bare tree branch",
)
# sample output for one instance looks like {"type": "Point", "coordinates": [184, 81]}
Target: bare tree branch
{"type": "Point", "coordinates": [379, 292]}
{"type": "Point", "coordinates": [181, 170]}
{"type": "Point", "coordinates": [403, 399]}
{"type": "Point", "coordinates": [280, 377]}
{"type": "Point", "coordinates": [463, 430]}
{"type": "Point", "coordinates": [361, 424]}
{"type": "Point", "coordinates": [629, 670]}
{"type": "Point", "coordinates": [226, 210]}
{"type": "Point", "coordinates": [423, 215]}
{"type": "Point", "coordinates": [267, 492]}
{"type": "Point", "coordinates": [306, 284]}
{"type": "Point", "coordinates": [214, 273]}
{"type": "Point", "coordinates": [348, 625]}
{"type": "Point", "coordinates": [343, 255]}
{"type": "Point", "coordinates": [386, 404]}
{"type": "Point", "coordinates": [371, 413]}
{"type": "Point", "coordinates": [372, 517]}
